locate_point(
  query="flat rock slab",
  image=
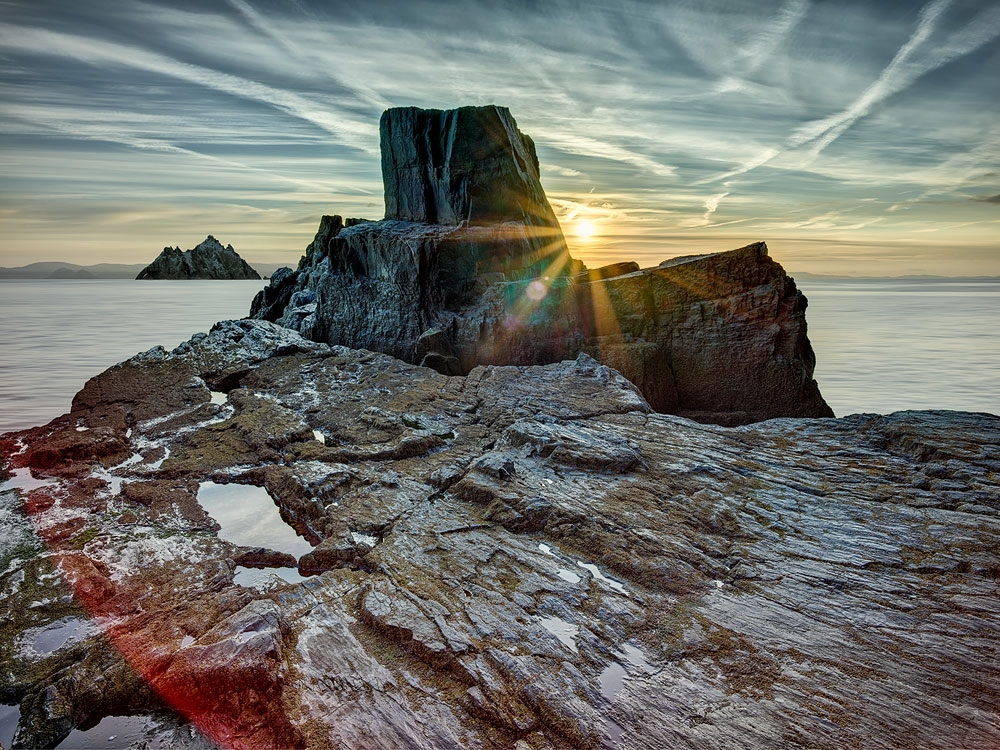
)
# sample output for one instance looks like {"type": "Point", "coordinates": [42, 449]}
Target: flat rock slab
{"type": "Point", "coordinates": [524, 556]}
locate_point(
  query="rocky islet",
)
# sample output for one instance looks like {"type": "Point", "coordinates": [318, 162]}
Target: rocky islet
{"type": "Point", "coordinates": [470, 267]}
{"type": "Point", "coordinates": [207, 260]}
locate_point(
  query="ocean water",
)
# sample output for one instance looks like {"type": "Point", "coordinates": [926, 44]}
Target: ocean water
{"type": "Point", "coordinates": [884, 346]}
{"type": "Point", "coordinates": [54, 335]}
{"type": "Point", "coordinates": [881, 346]}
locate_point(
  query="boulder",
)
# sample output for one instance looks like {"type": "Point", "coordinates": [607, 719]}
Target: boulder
{"type": "Point", "coordinates": [208, 260]}
{"type": "Point", "coordinates": [469, 267]}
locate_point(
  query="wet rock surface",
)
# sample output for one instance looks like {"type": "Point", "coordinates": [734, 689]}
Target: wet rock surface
{"type": "Point", "coordinates": [523, 556]}
{"type": "Point", "coordinates": [207, 260]}
{"type": "Point", "coordinates": [470, 268]}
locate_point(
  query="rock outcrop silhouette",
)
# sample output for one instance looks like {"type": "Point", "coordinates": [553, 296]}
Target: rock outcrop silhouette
{"type": "Point", "coordinates": [470, 267]}
{"type": "Point", "coordinates": [208, 260]}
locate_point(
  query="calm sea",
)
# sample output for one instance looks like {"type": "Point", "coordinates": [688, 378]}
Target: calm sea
{"type": "Point", "coordinates": [881, 346]}
{"type": "Point", "coordinates": [54, 335]}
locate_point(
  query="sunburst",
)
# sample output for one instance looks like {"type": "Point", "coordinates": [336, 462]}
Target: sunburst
{"type": "Point", "coordinates": [584, 229]}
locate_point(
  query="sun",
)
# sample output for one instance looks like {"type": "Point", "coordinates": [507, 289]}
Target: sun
{"type": "Point", "coordinates": [584, 229]}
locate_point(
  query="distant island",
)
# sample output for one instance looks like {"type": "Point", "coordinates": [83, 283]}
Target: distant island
{"type": "Point", "coordinates": [208, 260]}
{"type": "Point", "coordinates": [53, 269]}
{"type": "Point", "coordinates": [907, 277]}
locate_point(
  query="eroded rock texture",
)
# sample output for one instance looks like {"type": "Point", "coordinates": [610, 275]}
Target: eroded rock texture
{"type": "Point", "coordinates": [461, 166]}
{"type": "Point", "coordinates": [207, 260]}
{"type": "Point", "coordinates": [470, 268]}
{"type": "Point", "coordinates": [524, 556]}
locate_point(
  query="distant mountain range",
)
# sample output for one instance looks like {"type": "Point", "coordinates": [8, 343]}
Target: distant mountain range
{"type": "Point", "coordinates": [911, 277]}
{"type": "Point", "coordinates": [49, 269]}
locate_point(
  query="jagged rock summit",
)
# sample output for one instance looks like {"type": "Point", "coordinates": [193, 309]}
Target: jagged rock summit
{"type": "Point", "coordinates": [470, 267]}
{"type": "Point", "coordinates": [209, 260]}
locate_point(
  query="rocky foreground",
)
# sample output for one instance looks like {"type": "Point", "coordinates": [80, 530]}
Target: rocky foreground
{"type": "Point", "coordinates": [521, 557]}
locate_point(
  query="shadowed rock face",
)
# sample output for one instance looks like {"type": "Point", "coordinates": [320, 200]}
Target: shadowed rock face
{"type": "Point", "coordinates": [468, 165]}
{"type": "Point", "coordinates": [469, 267]}
{"type": "Point", "coordinates": [209, 260]}
{"type": "Point", "coordinates": [523, 554]}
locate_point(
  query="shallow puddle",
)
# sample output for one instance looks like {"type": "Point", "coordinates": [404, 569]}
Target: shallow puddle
{"type": "Point", "coordinates": [52, 637]}
{"type": "Point", "coordinates": [21, 479]}
{"type": "Point", "coordinates": [9, 716]}
{"type": "Point", "coordinates": [571, 577]}
{"type": "Point", "coordinates": [249, 517]}
{"type": "Point", "coordinates": [264, 578]}
{"type": "Point", "coordinates": [136, 731]}
{"type": "Point", "coordinates": [568, 575]}
{"type": "Point", "coordinates": [612, 680]}
{"type": "Point", "coordinates": [564, 631]}
{"type": "Point", "coordinates": [596, 573]}
{"type": "Point", "coordinates": [614, 729]}
{"type": "Point", "coordinates": [613, 676]}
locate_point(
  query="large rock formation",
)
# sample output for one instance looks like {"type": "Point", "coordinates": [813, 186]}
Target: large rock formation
{"type": "Point", "coordinates": [461, 166]}
{"type": "Point", "coordinates": [208, 260]}
{"type": "Point", "coordinates": [470, 267]}
{"type": "Point", "coordinates": [525, 557]}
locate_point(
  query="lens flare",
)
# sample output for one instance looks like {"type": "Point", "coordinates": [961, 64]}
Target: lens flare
{"type": "Point", "coordinates": [536, 290]}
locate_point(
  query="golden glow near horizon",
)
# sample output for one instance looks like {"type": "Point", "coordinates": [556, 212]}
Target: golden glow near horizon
{"type": "Point", "coordinates": [847, 152]}
{"type": "Point", "coordinates": [584, 229]}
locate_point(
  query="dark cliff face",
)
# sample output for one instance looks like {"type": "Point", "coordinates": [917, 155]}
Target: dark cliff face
{"type": "Point", "coordinates": [208, 260]}
{"type": "Point", "coordinates": [469, 267]}
{"type": "Point", "coordinates": [469, 165]}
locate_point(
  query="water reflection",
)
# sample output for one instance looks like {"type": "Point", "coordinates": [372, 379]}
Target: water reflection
{"type": "Point", "coordinates": [249, 518]}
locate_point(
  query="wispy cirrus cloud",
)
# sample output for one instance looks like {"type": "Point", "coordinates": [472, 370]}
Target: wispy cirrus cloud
{"type": "Point", "coordinates": [350, 131]}
{"type": "Point", "coordinates": [788, 119]}
{"type": "Point", "coordinates": [905, 68]}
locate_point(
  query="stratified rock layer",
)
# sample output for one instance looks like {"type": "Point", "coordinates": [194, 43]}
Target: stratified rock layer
{"type": "Point", "coordinates": [470, 268]}
{"type": "Point", "coordinates": [526, 556]}
{"type": "Point", "coordinates": [208, 260]}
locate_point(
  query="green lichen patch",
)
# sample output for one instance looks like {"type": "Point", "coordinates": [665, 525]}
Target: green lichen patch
{"type": "Point", "coordinates": [81, 539]}
{"type": "Point", "coordinates": [34, 595]}
{"type": "Point", "coordinates": [17, 536]}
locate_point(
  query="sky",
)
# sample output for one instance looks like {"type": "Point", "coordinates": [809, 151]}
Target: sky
{"type": "Point", "coordinates": [855, 138]}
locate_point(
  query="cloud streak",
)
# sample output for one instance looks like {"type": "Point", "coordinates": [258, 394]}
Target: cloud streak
{"type": "Point", "coordinates": [905, 68]}
{"type": "Point", "coordinates": [714, 122]}
{"type": "Point", "coordinates": [349, 131]}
